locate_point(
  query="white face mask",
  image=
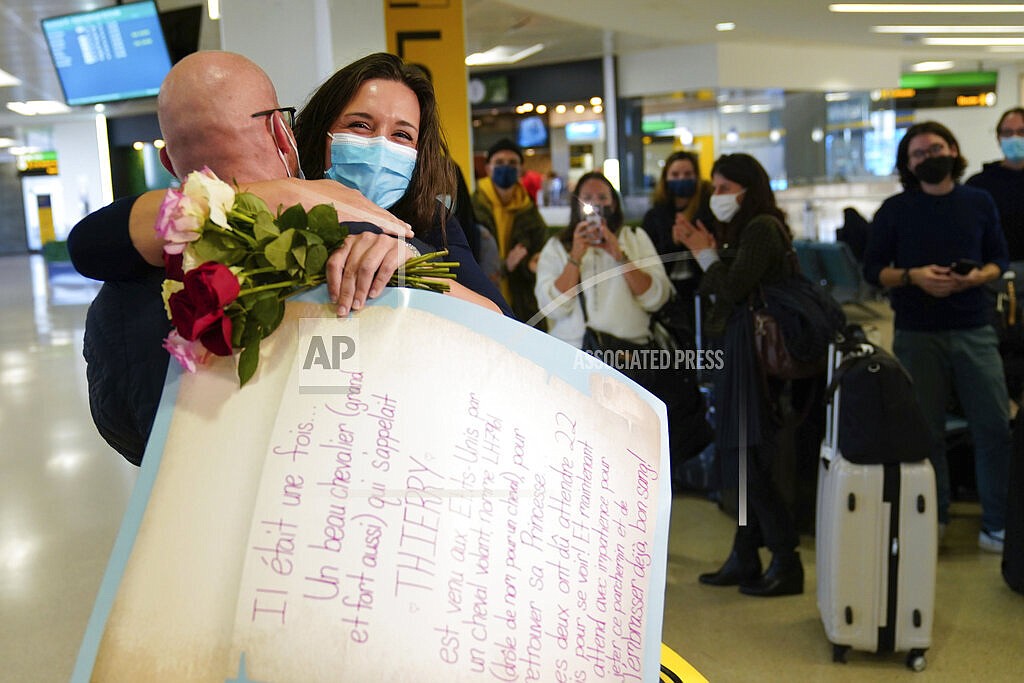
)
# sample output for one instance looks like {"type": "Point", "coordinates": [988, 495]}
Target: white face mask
{"type": "Point", "coordinates": [725, 206]}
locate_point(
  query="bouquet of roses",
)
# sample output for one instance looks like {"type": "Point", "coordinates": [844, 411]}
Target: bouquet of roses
{"type": "Point", "coordinates": [231, 264]}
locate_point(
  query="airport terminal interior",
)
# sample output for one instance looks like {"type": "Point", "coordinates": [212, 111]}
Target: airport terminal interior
{"type": "Point", "coordinates": [820, 96]}
{"type": "Point", "coordinates": [64, 490]}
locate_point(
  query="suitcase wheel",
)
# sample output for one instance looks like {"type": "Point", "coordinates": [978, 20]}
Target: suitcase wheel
{"type": "Point", "coordinates": [916, 660]}
{"type": "Point", "coordinates": [839, 653]}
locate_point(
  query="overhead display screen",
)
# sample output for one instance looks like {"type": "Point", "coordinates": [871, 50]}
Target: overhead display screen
{"type": "Point", "coordinates": [110, 54]}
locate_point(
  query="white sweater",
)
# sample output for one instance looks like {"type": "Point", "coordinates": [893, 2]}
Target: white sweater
{"type": "Point", "coordinates": [611, 306]}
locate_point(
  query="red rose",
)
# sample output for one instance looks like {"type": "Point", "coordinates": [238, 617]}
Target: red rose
{"type": "Point", "coordinates": [211, 286]}
{"type": "Point", "coordinates": [197, 311]}
{"type": "Point", "coordinates": [217, 337]}
{"type": "Point", "coordinates": [188, 319]}
{"type": "Point", "coordinates": [172, 264]}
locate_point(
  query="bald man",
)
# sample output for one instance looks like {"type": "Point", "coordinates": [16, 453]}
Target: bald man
{"type": "Point", "coordinates": [216, 109]}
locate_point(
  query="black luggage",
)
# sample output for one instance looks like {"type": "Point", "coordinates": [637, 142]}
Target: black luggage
{"type": "Point", "coordinates": [876, 539]}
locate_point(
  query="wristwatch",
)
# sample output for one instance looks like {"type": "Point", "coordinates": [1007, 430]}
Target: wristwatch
{"type": "Point", "coordinates": [905, 278]}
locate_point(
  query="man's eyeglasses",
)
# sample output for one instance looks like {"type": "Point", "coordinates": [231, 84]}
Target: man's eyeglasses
{"type": "Point", "coordinates": [933, 151]}
{"type": "Point", "coordinates": [287, 112]}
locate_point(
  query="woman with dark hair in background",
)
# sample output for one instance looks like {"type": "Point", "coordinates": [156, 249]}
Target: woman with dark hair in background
{"type": "Point", "coordinates": [749, 250]}
{"type": "Point", "coordinates": [620, 305]}
{"type": "Point", "coordinates": [373, 126]}
{"type": "Point", "coordinates": [679, 192]}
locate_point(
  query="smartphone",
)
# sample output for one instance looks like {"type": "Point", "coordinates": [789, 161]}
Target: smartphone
{"type": "Point", "coordinates": [592, 216]}
{"type": "Point", "coordinates": [964, 266]}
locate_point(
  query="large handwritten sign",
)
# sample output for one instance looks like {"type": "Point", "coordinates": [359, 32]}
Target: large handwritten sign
{"type": "Point", "coordinates": [445, 509]}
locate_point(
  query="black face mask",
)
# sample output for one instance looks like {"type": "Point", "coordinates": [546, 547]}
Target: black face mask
{"type": "Point", "coordinates": [934, 169]}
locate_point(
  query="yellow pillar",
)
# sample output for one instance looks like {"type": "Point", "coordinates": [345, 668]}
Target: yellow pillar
{"type": "Point", "coordinates": [432, 33]}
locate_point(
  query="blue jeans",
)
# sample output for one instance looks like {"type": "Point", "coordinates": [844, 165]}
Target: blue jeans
{"type": "Point", "coordinates": [969, 362]}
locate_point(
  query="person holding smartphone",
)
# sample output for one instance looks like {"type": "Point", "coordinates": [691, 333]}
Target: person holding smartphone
{"type": "Point", "coordinates": [933, 246]}
{"type": "Point", "coordinates": [601, 274]}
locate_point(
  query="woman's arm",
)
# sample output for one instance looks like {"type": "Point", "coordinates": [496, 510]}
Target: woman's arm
{"type": "Point", "coordinates": [552, 267]}
{"type": "Point", "coordinates": [761, 247]}
{"type": "Point", "coordinates": [106, 237]}
{"type": "Point", "coordinates": [646, 275]}
{"type": "Point", "coordinates": [468, 274]}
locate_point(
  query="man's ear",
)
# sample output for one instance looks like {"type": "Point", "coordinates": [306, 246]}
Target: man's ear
{"type": "Point", "coordinates": [284, 141]}
{"type": "Point", "coordinates": [281, 133]}
{"type": "Point", "coordinates": [166, 161]}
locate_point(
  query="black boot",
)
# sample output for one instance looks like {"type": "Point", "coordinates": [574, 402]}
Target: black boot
{"type": "Point", "coordinates": [785, 576]}
{"type": "Point", "coordinates": [743, 563]}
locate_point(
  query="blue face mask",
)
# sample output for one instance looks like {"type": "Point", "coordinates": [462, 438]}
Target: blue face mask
{"type": "Point", "coordinates": [682, 187]}
{"type": "Point", "coordinates": [1013, 148]}
{"type": "Point", "coordinates": [504, 176]}
{"type": "Point", "coordinates": [378, 168]}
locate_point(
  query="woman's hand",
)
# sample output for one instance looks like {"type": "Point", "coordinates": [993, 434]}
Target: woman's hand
{"type": "Point", "coordinates": [361, 267]}
{"type": "Point", "coordinates": [515, 256]}
{"type": "Point", "coordinates": [610, 243]}
{"type": "Point", "coordinates": [580, 241]}
{"type": "Point", "coordinates": [695, 237]}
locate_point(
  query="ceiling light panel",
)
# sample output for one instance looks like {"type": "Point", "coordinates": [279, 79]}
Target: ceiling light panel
{"type": "Point", "coordinates": [922, 8]}
{"type": "Point", "coordinates": [903, 30]}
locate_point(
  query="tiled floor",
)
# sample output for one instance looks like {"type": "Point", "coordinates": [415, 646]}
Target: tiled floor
{"type": "Point", "coordinates": [63, 491]}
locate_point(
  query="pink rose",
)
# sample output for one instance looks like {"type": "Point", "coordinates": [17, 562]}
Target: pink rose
{"type": "Point", "coordinates": [180, 221]}
{"type": "Point", "coordinates": [188, 353]}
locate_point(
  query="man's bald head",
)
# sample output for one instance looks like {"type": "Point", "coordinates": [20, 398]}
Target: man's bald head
{"type": "Point", "coordinates": [205, 107]}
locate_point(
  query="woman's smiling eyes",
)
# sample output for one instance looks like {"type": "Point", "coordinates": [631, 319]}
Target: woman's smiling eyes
{"type": "Point", "coordinates": [364, 126]}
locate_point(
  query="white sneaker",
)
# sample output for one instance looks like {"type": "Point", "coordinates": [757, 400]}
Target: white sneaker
{"type": "Point", "coordinates": [991, 541]}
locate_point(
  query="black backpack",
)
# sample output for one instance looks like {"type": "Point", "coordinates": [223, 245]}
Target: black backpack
{"type": "Point", "coordinates": [880, 420]}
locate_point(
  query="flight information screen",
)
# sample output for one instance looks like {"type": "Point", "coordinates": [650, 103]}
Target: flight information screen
{"type": "Point", "coordinates": [109, 54]}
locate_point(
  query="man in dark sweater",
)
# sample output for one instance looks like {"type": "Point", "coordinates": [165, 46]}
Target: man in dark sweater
{"type": "Point", "coordinates": [942, 331]}
{"type": "Point", "coordinates": [1004, 180]}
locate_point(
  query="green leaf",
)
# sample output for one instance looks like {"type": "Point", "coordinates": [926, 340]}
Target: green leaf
{"type": "Point", "coordinates": [216, 246]}
{"type": "Point", "coordinates": [265, 228]}
{"type": "Point", "coordinates": [250, 204]}
{"type": "Point", "coordinates": [237, 315]}
{"type": "Point", "coordinates": [279, 250]}
{"type": "Point", "coordinates": [267, 329]}
{"type": "Point", "coordinates": [323, 220]}
{"type": "Point", "coordinates": [299, 253]}
{"type": "Point", "coordinates": [265, 310]}
{"type": "Point", "coordinates": [247, 361]}
{"type": "Point", "coordinates": [293, 218]}
{"type": "Point", "coordinates": [316, 258]}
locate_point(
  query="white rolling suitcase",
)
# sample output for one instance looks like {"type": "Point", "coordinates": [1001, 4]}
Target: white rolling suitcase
{"type": "Point", "coordinates": [876, 548]}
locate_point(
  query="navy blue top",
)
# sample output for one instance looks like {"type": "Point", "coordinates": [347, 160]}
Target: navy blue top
{"type": "Point", "coordinates": [913, 229]}
{"type": "Point", "coordinates": [1006, 185]}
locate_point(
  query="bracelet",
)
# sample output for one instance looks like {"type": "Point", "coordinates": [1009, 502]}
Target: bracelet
{"type": "Point", "coordinates": [412, 249]}
{"type": "Point", "coordinates": [574, 262]}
